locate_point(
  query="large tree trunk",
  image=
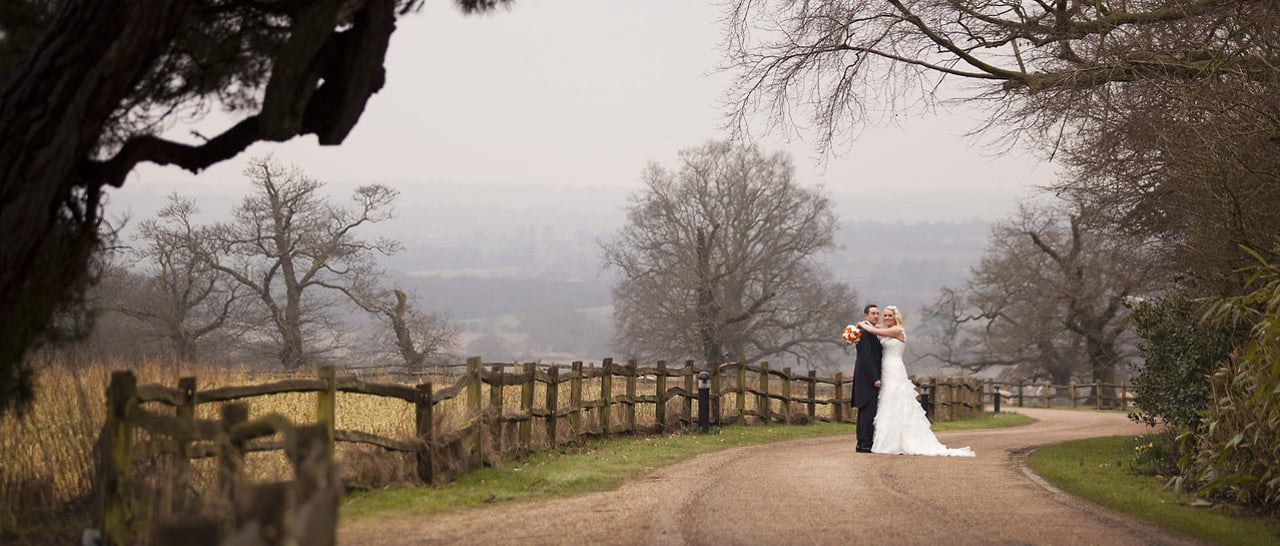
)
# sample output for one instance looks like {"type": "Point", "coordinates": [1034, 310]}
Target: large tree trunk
{"type": "Point", "coordinates": [1102, 364]}
{"type": "Point", "coordinates": [291, 354]}
{"type": "Point", "coordinates": [413, 359]}
{"type": "Point", "coordinates": [53, 107]}
{"type": "Point", "coordinates": [708, 309]}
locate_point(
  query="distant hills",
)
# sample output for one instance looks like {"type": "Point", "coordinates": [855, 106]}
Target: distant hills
{"type": "Point", "coordinates": [505, 271]}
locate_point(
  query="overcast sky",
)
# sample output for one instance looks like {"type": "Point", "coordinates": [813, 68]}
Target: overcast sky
{"type": "Point", "coordinates": [582, 94]}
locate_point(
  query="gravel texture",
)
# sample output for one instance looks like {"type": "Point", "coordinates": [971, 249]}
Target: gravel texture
{"type": "Point", "coordinates": [814, 491]}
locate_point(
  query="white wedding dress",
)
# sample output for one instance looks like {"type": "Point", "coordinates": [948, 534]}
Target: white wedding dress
{"type": "Point", "coordinates": [901, 425]}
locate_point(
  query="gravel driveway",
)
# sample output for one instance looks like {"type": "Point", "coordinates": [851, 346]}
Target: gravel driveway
{"type": "Point", "coordinates": [814, 491]}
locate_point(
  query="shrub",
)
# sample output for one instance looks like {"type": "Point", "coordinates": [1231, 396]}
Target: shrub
{"type": "Point", "coordinates": [1179, 354]}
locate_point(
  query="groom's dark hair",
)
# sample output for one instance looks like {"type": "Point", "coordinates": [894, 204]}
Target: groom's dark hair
{"type": "Point", "coordinates": [867, 309]}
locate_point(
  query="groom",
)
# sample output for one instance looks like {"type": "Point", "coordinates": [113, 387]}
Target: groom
{"type": "Point", "coordinates": [866, 380]}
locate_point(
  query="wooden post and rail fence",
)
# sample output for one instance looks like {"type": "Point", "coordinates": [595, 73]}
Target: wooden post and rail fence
{"type": "Point", "coordinates": [600, 401]}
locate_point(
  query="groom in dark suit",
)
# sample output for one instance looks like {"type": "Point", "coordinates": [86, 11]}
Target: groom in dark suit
{"type": "Point", "coordinates": [866, 380]}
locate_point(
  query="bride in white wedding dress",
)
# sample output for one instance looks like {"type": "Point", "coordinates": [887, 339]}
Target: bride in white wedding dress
{"type": "Point", "coordinates": [900, 424]}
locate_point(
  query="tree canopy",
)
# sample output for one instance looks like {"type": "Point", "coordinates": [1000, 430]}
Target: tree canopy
{"type": "Point", "coordinates": [1047, 301]}
{"type": "Point", "coordinates": [717, 261]}
{"type": "Point", "coordinates": [86, 86]}
{"type": "Point", "coordinates": [1166, 112]}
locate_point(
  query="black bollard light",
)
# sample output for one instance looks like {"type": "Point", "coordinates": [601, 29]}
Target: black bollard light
{"type": "Point", "coordinates": [995, 395]}
{"type": "Point", "coordinates": [924, 401]}
{"type": "Point", "coordinates": [704, 402]}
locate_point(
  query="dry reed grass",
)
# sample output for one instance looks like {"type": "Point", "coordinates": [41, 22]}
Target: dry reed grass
{"type": "Point", "coordinates": [47, 461]}
{"type": "Point", "coordinates": [47, 456]}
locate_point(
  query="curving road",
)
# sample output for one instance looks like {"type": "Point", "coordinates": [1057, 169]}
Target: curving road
{"type": "Point", "coordinates": [814, 491]}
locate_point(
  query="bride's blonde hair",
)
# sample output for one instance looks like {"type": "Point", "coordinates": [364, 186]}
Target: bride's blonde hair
{"type": "Point", "coordinates": [897, 316]}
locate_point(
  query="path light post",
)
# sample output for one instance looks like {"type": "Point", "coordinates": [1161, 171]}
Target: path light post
{"type": "Point", "coordinates": [995, 396]}
{"type": "Point", "coordinates": [704, 401]}
{"type": "Point", "coordinates": [924, 400]}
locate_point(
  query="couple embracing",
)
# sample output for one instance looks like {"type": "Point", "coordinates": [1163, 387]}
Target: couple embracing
{"type": "Point", "coordinates": [890, 419]}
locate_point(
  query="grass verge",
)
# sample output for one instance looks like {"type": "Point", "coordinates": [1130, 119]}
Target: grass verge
{"type": "Point", "coordinates": [1097, 470]}
{"type": "Point", "coordinates": [595, 465]}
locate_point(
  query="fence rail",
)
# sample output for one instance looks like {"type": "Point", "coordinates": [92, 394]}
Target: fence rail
{"type": "Point", "coordinates": [522, 399]}
{"type": "Point", "coordinates": [304, 510]}
{"type": "Point", "coordinates": [1096, 394]}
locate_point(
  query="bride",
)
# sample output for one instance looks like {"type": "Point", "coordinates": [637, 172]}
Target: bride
{"type": "Point", "coordinates": [900, 424]}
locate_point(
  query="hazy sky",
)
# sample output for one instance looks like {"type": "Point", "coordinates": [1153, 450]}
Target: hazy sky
{"type": "Point", "coordinates": [581, 94]}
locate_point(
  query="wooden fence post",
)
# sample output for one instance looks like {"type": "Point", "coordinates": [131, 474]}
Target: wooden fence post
{"type": "Point", "coordinates": [1073, 393]}
{"type": "Point", "coordinates": [553, 402]}
{"type": "Point", "coordinates": [187, 412]}
{"type": "Point", "coordinates": [231, 459]}
{"type": "Point", "coordinates": [786, 395]}
{"type": "Point", "coordinates": [422, 415]}
{"type": "Point", "coordinates": [606, 395]}
{"type": "Point", "coordinates": [978, 405]}
{"type": "Point", "coordinates": [956, 386]}
{"type": "Point", "coordinates": [838, 405]}
{"type": "Point", "coordinates": [327, 402]}
{"type": "Point", "coordinates": [526, 407]}
{"type": "Point", "coordinates": [688, 393]}
{"type": "Point", "coordinates": [660, 407]}
{"type": "Point", "coordinates": [713, 394]}
{"type": "Point", "coordinates": [742, 390]}
{"type": "Point", "coordinates": [957, 398]}
{"type": "Point", "coordinates": [496, 391]}
{"type": "Point", "coordinates": [1019, 393]}
{"type": "Point", "coordinates": [762, 400]}
{"type": "Point", "coordinates": [1047, 388]}
{"type": "Point", "coordinates": [813, 395]}
{"type": "Point", "coordinates": [631, 395]}
{"type": "Point", "coordinates": [575, 397]}
{"type": "Point", "coordinates": [972, 388]}
{"type": "Point", "coordinates": [475, 406]}
{"type": "Point", "coordinates": [1124, 396]}
{"type": "Point", "coordinates": [950, 408]}
{"type": "Point", "coordinates": [932, 411]}
{"type": "Point", "coordinates": [941, 403]}
{"type": "Point", "coordinates": [115, 516]}
{"type": "Point", "coordinates": [1097, 394]}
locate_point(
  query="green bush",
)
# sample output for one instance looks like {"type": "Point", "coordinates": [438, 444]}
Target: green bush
{"type": "Point", "coordinates": [1179, 353]}
{"type": "Point", "coordinates": [1238, 442]}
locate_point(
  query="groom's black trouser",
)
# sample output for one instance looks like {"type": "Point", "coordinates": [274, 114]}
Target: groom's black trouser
{"type": "Point", "coordinates": [866, 432]}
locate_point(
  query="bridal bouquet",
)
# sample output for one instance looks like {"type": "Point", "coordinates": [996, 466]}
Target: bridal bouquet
{"type": "Point", "coordinates": [851, 334]}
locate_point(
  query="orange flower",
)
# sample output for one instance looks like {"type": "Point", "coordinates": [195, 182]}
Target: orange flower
{"type": "Point", "coordinates": [851, 334]}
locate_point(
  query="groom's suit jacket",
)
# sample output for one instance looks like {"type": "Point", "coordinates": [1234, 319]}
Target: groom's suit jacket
{"type": "Point", "coordinates": [866, 369]}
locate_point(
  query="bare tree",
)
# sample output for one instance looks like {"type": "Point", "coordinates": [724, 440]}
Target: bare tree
{"type": "Point", "coordinates": [416, 337]}
{"type": "Point", "coordinates": [1167, 111]}
{"type": "Point", "coordinates": [1040, 63]}
{"type": "Point", "coordinates": [86, 85]}
{"type": "Point", "coordinates": [290, 247]}
{"type": "Point", "coordinates": [718, 261]}
{"type": "Point", "coordinates": [1047, 300]}
{"type": "Point", "coordinates": [185, 299]}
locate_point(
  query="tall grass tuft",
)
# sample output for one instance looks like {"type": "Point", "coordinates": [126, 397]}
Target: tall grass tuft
{"type": "Point", "coordinates": [47, 458]}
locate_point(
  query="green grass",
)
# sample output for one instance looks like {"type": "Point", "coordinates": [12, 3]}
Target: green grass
{"type": "Point", "coordinates": [1097, 470]}
{"type": "Point", "coordinates": [595, 465]}
{"type": "Point", "coordinates": [990, 420]}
